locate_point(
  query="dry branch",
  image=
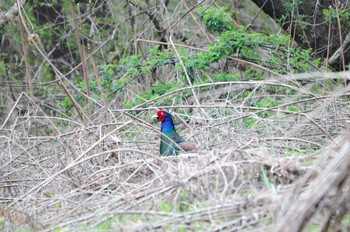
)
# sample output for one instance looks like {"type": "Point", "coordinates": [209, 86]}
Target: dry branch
{"type": "Point", "coordinates": [318, 190]}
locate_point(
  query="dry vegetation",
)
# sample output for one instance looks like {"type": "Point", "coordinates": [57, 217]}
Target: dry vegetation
{"type": "Point", "coordinates": [289, 169]}
{"type": "Point", "coordinates": [275, 146]}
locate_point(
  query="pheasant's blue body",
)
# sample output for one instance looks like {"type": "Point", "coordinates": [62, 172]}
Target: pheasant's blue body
{"type": "Point", "coordinates": [168, 124]}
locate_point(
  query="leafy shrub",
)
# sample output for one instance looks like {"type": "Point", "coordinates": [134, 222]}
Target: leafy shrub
{"type": "Point", "coordinates": [270, 51]}
{"type": "Point", "coordinates": [216, 19]}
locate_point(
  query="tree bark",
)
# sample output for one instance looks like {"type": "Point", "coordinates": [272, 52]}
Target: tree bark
{"type": "Point", "coordinates": [307, 25]}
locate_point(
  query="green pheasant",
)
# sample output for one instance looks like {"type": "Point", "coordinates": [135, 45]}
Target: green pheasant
{"type": "Point", "coordinates": [170, 139]}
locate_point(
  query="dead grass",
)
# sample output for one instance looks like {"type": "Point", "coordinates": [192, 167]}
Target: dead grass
{"type": "Point", "coordinates": [255, 172]}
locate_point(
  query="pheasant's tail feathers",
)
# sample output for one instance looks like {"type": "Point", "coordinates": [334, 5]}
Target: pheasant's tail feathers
{"type": "Point", "coordinates": [186, 146]}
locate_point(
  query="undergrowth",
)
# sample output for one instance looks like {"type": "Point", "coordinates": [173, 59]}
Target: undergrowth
{"type": "Point", "coordinates": [272, 52]}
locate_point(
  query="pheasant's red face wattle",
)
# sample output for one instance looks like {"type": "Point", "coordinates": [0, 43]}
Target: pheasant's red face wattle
{"type": "Point", "coordinates": [161, 114]}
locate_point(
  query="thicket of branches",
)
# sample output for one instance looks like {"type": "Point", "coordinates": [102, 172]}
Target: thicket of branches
{"type": "Point", "coordinates": [266, 100]}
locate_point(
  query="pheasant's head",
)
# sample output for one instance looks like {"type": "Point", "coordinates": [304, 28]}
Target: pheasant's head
{"type": "Point", "coordinates": [161, 115]}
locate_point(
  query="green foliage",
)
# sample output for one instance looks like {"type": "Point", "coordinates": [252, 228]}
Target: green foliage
{"type": "Point", "coordinates": [249, 122]}
{"type": "Point", "coordinates": [292, 5]}
{"type": "Point", "coordinates": [270, 51]}
{"type": "Point", "coordinates": [313, 228]}
{"type": "Point", "coordinates": [267, 102]}
{"type": "Point", "coordinates": [293, 108]}
{"type": "Point", "coordinates": [2, 67]}
{"type": "Point", "coordinates": [184, 204]}
{"type": "Point", "coordinates": [220, 77]}
{"type": "Point", "coordinates": [216, 19]}
{"type": "Point", "coordinates": [132, 64]}
{"type": "Point", "coordinates": [49, 194]}
{"type": "Point", "coordinates": [126, 218]}
{"type": "Point", "coordinates": [346, 221]}
{"type": "Point", "coordinates": [254, 74]}
{"type": "Point", "coordinates": [58, 204]}
{"type": "Point", "coordinates": [292, 151]}
{"type": "Point", "coordinates": [166, 207]}
{"type": "Point", "coordinates": [160, 88]}
{"type": "Point", "coordinates": [266, 180]}
{"type": "Point", "coordinates": [66, 103]}
{"type": "Point", "coordinates": [331, 14]}
{"type": "Point", "coordinates": [105, 226]}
